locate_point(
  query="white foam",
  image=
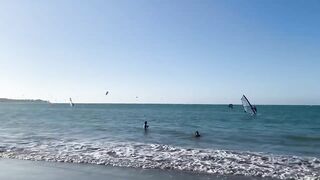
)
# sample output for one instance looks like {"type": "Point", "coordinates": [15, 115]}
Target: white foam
{"type": "Point", "coordinates": [169, 157]}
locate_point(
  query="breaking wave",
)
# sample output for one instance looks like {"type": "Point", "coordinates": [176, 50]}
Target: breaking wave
{"type": "Point", "coordinates": [159, 156]}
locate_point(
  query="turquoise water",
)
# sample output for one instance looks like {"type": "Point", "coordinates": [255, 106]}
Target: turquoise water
{"type": "Point", "coordinates": [232, 142]}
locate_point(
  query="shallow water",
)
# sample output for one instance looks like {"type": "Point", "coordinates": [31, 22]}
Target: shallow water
{"type": "Point", "coordinates": [281, 141]}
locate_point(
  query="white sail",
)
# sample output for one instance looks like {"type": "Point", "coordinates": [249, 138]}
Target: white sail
{"type": "Point", "coordinates": [71, 103]}
{"type": "Point", "coordinates": [247, 105]}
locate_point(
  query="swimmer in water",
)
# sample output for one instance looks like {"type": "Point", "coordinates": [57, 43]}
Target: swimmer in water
{"type": "Point", "coordinates": [197, 134]}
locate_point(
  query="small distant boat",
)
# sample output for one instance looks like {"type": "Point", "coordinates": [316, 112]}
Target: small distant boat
{"type": "Point", "coordinates": [230, 106]}
{"type": "Point", "coordinates": [71, 103]}
{"type": "Point", "coordinates": [248, 108]}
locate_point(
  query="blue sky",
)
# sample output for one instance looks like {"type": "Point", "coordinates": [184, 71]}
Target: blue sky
{"type": "Point", "coordinates": [163, 51]}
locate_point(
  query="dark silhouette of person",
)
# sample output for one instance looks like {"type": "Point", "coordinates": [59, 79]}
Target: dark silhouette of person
{"type": "Point", "coordinates": [197, 134]}
{"type": "Point", "coordinates": [145, 126]}
{"type": "Point", "coordinates": [255, 109]}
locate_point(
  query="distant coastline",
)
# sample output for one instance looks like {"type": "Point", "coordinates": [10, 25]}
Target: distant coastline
{"type": "Point", "coordinates": [27, 101]}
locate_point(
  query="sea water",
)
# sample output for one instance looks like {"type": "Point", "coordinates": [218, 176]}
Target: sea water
{"type": "Point", "coordinates": [280, 141]}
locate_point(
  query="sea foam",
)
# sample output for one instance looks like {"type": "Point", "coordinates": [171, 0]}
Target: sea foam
{"type": "Point", "coordinates": [139, 155]}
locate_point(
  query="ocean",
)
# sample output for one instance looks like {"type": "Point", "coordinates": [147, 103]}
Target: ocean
{"type": "Point", "coordinates": [281, 142]}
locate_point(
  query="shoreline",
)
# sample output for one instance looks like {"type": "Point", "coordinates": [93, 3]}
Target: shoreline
{"type": "Point", "coordinates": [14, 169]}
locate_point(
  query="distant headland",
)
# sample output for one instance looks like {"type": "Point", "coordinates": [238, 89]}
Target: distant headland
{"type": "Point", "coordinates": [33, 101]}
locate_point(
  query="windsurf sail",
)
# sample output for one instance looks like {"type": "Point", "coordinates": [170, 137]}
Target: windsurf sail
{"type": "Point", "coordinates": [247, 106]}
{"type": "Point", "coordinates": [71, 103]}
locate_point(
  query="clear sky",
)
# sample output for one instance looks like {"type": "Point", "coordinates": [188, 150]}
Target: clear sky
{"type": "Point", "coordinates": [163, 51]}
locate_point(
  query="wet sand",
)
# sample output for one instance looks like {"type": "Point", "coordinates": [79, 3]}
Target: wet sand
{"type": "Point", "coordinates": [11, 169]}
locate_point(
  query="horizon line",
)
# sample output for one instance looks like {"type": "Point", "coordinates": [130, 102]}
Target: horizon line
{"type": "Point", "coordinates": [155, 103]}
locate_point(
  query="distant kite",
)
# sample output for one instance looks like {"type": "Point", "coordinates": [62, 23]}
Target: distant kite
{"type": "Point", "coordinates": [107, 92]}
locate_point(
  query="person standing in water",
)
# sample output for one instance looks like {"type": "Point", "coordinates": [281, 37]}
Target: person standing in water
{"type": "Point", "coordinates": [145, 126]}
